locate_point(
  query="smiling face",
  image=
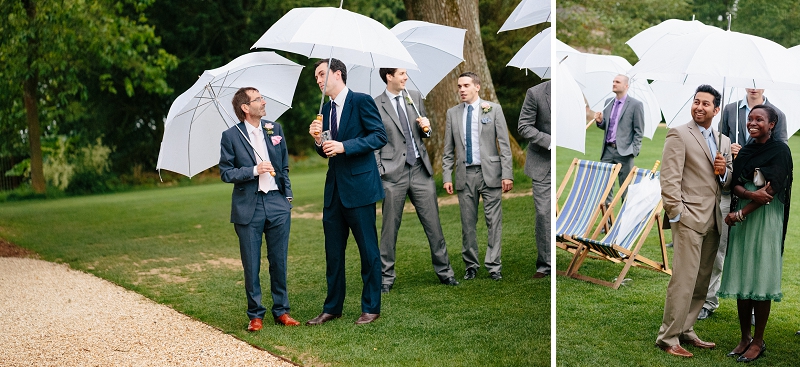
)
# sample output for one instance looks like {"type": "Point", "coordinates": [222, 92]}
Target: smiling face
{"type": "Point", "coordinates": [703, 110]}
{"type": "Point", "coordinates": [397, 81]}
{"type": "Point", "coordinates": [758, 125]}
{"type": "Point", "coordinates": [467, 89]}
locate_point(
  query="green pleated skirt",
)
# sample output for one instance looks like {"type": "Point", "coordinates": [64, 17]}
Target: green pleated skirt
{"type": "Point", "coordinates": [753, 261]}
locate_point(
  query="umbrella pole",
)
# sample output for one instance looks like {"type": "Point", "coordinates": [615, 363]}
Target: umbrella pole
{"type": "Point", "coordinates": [415, 109]}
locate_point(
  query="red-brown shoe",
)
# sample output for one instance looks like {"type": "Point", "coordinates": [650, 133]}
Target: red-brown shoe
{"type": "Point", "coordinates": [255, 325]}
{"type": "Point", "coordinates": [699, 343]}
{"type": "Point", "coordinates": [367, 318]}
{"type": "Point", "coordinates": [286, 320]}
{"type": "Point", "coordinates": [676, 350]}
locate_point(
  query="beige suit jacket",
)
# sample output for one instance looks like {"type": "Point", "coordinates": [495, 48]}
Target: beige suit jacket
{"type": "Point", "coordinates": [496, 162]}
{"type": "Point", "coordinates": [689, 187]}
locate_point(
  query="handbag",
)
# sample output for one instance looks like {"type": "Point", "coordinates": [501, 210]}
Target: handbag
{"type": "Point", "coordinates": [758, 178]}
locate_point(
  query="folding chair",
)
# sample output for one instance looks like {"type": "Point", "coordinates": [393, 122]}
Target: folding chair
{"type": "Point", "coordinates": [585, 200]}
{"type": "Point", "coordinates": [626, 250]}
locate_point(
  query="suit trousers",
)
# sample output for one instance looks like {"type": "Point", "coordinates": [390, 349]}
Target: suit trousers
{"type": "Point", "coordinates": [712, 301]}
{"type": "Point", "coordinates": [418, 185]}
{"type": "Point", "coordinates": [468, 199]}
{"type": "Point", "coordinates": [273, 219]}
{"type": "Point", "coordinates": [541, 201]}
{"type": "Point", "coordinates": [337, 222]}
{"type": "Point", "coordinates": [693, 257]}
{"type": "Point", "coordinates": [611, 155]}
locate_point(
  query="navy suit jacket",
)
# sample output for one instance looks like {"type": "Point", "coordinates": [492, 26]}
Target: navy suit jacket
{"type": "Point", "coordinates": [236, 163]}
{"type": "Point", "coordinates": [355, 173]}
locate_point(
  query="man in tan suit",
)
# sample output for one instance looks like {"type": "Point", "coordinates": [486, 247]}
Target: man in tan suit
{"type": "Point", "coordinates": [696, 168]}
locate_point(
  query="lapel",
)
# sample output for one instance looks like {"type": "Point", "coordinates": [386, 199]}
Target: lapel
{"type": "Point", "coordinates": [480, 118]}
{"type": "Point", "coordinates": [346, 111]}
{"type": "Point", "coordinates": [742, 128]}
{"type": "Point", "coordinates": [244, 138]}
{"type": "Point", "coordinates": [698, 136]}
{"type": "Point", "coordinates": [386, 104]}
{"type": "Point", "coordinates": [547, 97]}
{"type": "Point", "coordinates": [457, 124]}
{"type": "Point", "coordinates": [270, 149]}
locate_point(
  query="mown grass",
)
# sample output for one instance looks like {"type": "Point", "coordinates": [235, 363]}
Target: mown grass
{"type": "Point", "coordinates": [177, 247]}
{"type": "Point", "coordinates": [600, 326]}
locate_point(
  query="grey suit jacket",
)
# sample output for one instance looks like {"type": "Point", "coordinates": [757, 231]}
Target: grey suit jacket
{"type": "Point", "coordinates": [391, 158]}
{"type": "Point", "coordinates": [630, 126]}
{"type": "Point", "coordinates": [496, 165]}
{"type": "Point", "coordinates": [236, 164]}
{"type": "Point", "coordinates": [727, 125]}
{"type": "Point", "coordinates": [534, 126]}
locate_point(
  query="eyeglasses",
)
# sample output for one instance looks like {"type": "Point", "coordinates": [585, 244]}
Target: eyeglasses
{"type": "Point", "coordinates": [259, 99]}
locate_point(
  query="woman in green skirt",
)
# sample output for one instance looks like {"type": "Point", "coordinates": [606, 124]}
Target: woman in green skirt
{"type": "Point", "coordinates": [761, 185]}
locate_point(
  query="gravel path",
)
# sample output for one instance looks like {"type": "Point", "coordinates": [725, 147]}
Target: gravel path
{"type": "Point", "coordinates": [51, 315]}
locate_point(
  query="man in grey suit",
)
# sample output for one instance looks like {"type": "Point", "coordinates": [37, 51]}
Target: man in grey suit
{"type": "Point", "coordinates": [733, 125]}
{"type": "Point", "coordinates": [254, 158]}
{"type": "Point", "coordinates": [623, 121]}
{"type": "Point", "coordinates": [534, 125]}
{"type": "Point", "coordinates": [406, 171]}
{"type": "Point", "coordinates": [476, 142]}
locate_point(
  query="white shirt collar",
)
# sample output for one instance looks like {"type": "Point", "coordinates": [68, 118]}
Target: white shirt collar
{"type": "Point", "coordinates": [474, 105]}
{"type": "Point", "coordinates": [341, 97]}
{"type": "Point", "coordinates": [392, 95]}
{"type": "Point", "coordinates": [743, 102]}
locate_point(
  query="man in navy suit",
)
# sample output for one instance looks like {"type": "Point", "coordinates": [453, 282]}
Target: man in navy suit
{"type": "Point", "coordinates": [353, 130]}
{"type": "Point", "coordinates": [253, 157]}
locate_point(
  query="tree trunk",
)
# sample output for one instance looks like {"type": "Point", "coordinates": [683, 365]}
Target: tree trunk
{"type": "Point", "coordinates": [30, 99]}
{"type": "Point", "coordinates": [459, 14]}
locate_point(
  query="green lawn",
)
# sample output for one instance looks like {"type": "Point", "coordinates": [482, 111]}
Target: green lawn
{"type": "Point", "coordinates": [177, 247]}
{"type": "Point", "coordinates": [600, 326]}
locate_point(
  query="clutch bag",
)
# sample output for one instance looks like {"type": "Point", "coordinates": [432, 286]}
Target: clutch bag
{"type": "Point", "coordinates": [758, 178]}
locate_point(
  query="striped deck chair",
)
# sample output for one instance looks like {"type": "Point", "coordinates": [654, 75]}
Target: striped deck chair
{"type": "Point", "coordinates": [626, 250]}
{"type": "Point", "coordinates": [584, 202]}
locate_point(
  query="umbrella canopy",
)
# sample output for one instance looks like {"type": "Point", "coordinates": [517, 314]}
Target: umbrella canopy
{"type": "Point", "coordinates": [527, 13]}
{"type": "Point", "coordinates": [437, 49]}
{"type": "Point", "coordinates": [570, 112]}
{"type": "Point", "coordinates": [666, 30]}
{"type": "Point", "coordinates": [198, 117]}
{"type": "Point", "coordinates": [334, 32]}
{"type": "Point", "coordinates": [535, 55]}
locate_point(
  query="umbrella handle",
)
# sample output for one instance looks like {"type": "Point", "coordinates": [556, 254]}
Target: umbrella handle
{"type": "Point", "coordinates": [655, 168]}
{"type": "Point", "coordinates": [318, 118]}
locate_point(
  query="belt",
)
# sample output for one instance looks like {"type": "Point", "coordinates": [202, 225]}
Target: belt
{"type": "Point", "coordinates": [614, 145]}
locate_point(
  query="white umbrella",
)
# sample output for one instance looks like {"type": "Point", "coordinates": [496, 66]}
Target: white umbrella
{"type": "Point", "coordinates": [527, 13]}
{"type": "Point", "coordinates": [437, 49]}
{"type": "Point", "coordinates": [666, 30]}
{"type": "Point", "coordinates": [535, 55]}
{"type": "Point", "coordinates": [570, 112]}
{"type": "Point", "coordinates": [198, 117]}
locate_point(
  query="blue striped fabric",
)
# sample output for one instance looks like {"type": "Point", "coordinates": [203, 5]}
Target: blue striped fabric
{"type": "Point", "coordinates": [584, 198]}
{"type": "Point", "coordinates": [604, 245]}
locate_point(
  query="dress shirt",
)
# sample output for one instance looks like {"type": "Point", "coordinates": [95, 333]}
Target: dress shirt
{"type": "Point", "coordinates": [266, 182]}
{"type": "Point", "coordinates": [339, 100]}
{"type": "Point", "coordinates": [410, 127]}
{"type": "Point", "coordinates": [612, 125]}
{"type": "Point", "coordinates": [476, 130]}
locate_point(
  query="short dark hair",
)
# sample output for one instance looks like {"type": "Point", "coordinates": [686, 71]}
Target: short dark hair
{"type": "Point", "coordinates": [239, 99]}
{"type": "Point", "coordinates": [772, 115]}
{"type": "Point", "coordinates": [383, 72]}
{"type": "Point", "coordinates": [705, 88]}
{"type": "Point", "coordinates": [335, 65]}
{"type": "Point", "coordinates": [475, 78]}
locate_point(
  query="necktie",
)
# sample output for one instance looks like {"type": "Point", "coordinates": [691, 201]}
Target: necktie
{"type": "Point", "coordinates": [710, 143]}
{"type": "Point", "coordinates": [334, 121]}
{"type": "Point", "coordinates": [612, 123]}
{"type": "Point", "coordinates": [469, 134]}
{"type": "Point", "coordinates": [410, 156]}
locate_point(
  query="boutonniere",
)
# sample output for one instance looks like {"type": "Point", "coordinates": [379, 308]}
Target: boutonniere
{"type": "Point", "coordinates": [409, 101]}
{"type": "Point", "coordinates": [276, 139]}
{"type": "Point", "coordinates": [486, 107]}
{"type": "Point", "coordinates": [269, 128]}
{"type": "Point", "coordinates": [486, 120]}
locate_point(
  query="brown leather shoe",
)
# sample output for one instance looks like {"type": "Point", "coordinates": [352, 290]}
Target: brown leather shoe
{"type": "Point", "coordinates": [366, 318]}
{"type": "Point", "coordinates": [539, 275]}
{"type": "Point", "coordinates": [699, 343]}
{"type": "Point", "coordinates": [255, 325]}
{"type": "Point", "coordinates": [286, 320]}
{"type": "Point", "coordinates": [322, 318]}
{"type": "Point", "coordinates": [676, 350]}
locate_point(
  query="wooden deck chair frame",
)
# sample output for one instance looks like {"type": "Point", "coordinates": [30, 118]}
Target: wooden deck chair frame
{"type": "Point", "coordinates": [616, 253]}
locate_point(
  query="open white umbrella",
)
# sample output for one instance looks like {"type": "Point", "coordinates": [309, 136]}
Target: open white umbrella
{"type": "Point", "coordinates": [527, 13]}
{"type": "Point", "coordinates": [535, 55]}
{"type": "Point", "coordinates": [570, 112]}
{"type": "Point", "coordinates": [666, 30]}
{"type": "Point", "coordinates": [436, 48]}
{"type": "Point", "coordinates": [198, 117]}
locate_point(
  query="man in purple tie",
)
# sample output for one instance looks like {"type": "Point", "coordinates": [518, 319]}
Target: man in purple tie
{"type": "Point", "coordinates": [623, 121]}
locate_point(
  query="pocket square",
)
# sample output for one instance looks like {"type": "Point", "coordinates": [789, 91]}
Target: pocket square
{"type": "Point", "coordinates": [276, 140]}
{"type": "Point", "coordinates": [486, 120]}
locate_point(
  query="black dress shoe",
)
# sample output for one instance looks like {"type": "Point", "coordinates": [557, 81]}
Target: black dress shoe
{"type": "Point", "coordinates": [744, 359]}
{"type": "Point", "coordinates": [322, 318]}
{"type": "Point", "coordinates": [450, 281]}
{"type": "Point", "coordinates": [385, 288]}
{"type": "Point", "coordinates": [495, 275]}
{"type": "Point", "coordinates": [471, 272]}
{"type": "Point", "coordinates": [733, 354]}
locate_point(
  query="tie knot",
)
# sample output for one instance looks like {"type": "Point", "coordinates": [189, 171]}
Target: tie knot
{"type": "Point", "coordinates": [397, 99]}
{"type": "Point", "coordinates": [470, 108]}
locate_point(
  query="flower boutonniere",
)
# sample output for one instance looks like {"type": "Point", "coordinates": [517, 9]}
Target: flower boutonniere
{"type": "Point", "coordinates": [486, 107]}
{"type": "Point", "coordinates": [409, 101]}
{"type": "Point", "coordinates": [269, 128]}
